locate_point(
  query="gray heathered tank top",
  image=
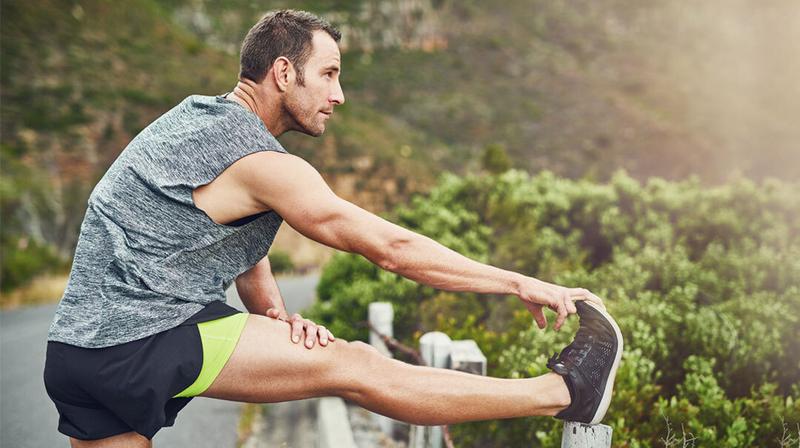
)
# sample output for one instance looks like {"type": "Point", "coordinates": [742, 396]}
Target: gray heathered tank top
{"type": "Point", "coordinates": [147, 259]}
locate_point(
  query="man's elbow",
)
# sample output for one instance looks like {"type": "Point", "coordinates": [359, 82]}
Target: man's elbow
{"type": "Point", "coordinates": [391, 257]}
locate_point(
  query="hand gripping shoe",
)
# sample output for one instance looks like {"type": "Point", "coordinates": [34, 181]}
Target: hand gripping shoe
{"type": "Point", "coordinates": [589, 364]}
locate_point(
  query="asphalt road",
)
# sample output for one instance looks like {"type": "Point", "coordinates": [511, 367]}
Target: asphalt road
{"type": "Point", "coordinates": [29, 419]}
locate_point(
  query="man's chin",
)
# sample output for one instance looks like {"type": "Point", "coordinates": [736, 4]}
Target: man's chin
{"type": "Point", "coordinates": [307, 130]}
{"type": "Point", "coordinates": [315, 132]}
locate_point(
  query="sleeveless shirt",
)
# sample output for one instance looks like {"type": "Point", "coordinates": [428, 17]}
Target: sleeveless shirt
{"type": "Point", "coordinates": [147, 258]}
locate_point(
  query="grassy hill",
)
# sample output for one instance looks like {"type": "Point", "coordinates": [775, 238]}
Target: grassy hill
{"type": "Point", "coordinates": [581, 88]}
{"type": "Point", "coordinates": [669, 89]}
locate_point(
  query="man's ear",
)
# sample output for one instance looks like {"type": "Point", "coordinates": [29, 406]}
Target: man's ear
{"type": "Point", "coordinates": [283, 73]}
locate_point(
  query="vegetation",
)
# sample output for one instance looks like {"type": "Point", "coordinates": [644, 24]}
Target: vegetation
{"type": "Point", "coordinates": [79, 80]}
{"type": "Point", "coordinates": [704, 280]}
{"type": "Point", "coordinates": [579, 88]}
{"type": "Point", "coordinates": [705, 284]}
{"type": "Point", "coordinates": [280, 262]}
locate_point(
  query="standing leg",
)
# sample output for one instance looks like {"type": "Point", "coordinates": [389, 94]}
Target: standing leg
{"type": "Point", "coordinates": [267, 367]}
{"type": "Point", "coordinates": [126, 440]}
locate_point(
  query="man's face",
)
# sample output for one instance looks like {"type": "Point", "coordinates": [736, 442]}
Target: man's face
{"type": "Point", "coordinates": [311, 105]}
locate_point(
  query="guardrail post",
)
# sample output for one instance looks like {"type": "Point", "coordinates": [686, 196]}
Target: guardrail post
{"type": "Point", "coordinates": [438, 350]}
{"type": "Point", "coordinates": [333, 425]}
{"type": "Point", "coordinates": [381, 316]}
{"type": "Point", "coordinates": [580, 435]}
{"type": "Point", "coordinates": [466, 356]}
{"type": "Point", "coordinates": [435, 348]}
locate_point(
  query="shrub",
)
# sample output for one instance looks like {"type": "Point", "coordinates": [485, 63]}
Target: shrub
{"type": "Point", "coordinates": [280, 261]}
{"type": "Point", "coordinates": [704, 282]}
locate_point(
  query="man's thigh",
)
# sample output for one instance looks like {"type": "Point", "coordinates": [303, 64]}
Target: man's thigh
{"type": "Point", "coordinates": [266, 366]}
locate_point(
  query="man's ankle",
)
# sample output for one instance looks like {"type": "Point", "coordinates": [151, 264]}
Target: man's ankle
{"type": "Point", "coordinates": [559, 397]}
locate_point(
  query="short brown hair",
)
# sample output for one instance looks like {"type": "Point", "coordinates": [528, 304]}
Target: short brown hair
{"type": "Point", "coordinates": [285, 33]}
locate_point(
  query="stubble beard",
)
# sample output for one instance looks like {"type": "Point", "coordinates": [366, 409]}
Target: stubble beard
{"type": "Point", "coordinates": [298, 119]}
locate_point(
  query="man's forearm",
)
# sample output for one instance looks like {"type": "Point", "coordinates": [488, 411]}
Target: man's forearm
{"type": "Point", "coordinates": [425, 261]}
{"type": "Point", "coordinates": [258, 289]}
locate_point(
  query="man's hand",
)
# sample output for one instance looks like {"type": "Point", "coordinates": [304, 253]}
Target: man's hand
{"type": "Point", "coordinates": [536, 294]}
{"type": "Point", "coordinates": [298, 324]}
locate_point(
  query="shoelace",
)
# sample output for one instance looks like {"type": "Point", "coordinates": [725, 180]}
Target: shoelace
{"type": "Point", "coordinates": [573, 355]}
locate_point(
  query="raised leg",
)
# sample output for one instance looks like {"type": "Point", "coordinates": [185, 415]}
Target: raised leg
{"type": "Point", "coordinates": [267, 367]}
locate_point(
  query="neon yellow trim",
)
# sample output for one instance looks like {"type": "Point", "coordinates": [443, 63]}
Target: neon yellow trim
{"type": "Point", "coordinates": [219, 338]}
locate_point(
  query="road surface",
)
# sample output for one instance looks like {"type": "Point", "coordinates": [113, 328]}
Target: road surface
{"type": "Point", "coordinates": [29, 419]}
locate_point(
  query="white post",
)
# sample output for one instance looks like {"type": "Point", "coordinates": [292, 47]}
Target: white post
{"type": "Point", "coordinates": [381, 316]}
{"type": "Point", "coordinates": [435, 348]}
{"type": "Point", "coordinates": [333, 426]}
{"type": "Point", "coordinates": [580, 435]}
{"type": "Point", "coordinates": [466, 356]}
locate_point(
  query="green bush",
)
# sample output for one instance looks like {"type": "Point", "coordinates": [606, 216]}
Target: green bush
{"type": "Point", "coordinates": [704, 282]}
{"type": "Point", "coordinates": [280, 261]}
{"type": "Point", "coordinates": [22, 259]}
{"type": "Point", "coordinates": [495, 159]}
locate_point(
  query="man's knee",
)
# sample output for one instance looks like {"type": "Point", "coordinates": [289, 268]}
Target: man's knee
{"type": "Point", "coordinates": [356, 366]}
{"type": "Point", "coordinates": [354, 353]}
{"type": "Point", "coordinates": [364, 348]}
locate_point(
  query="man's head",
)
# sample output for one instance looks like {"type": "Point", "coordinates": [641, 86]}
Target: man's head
{"type": "Point", "coordinates": [285, 33]}
{"type": "Point", "coordinates": [300, 54]}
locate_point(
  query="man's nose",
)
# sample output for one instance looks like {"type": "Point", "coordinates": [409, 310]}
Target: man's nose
{"type": "Point", "coordinates": [337, 96]}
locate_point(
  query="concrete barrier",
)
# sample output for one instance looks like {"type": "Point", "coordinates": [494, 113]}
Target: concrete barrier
{"type": "Point", "coordinates": [579, 435]}
{"type": "Point", "coordinates": [466, 356]}
{"type": "Point", "coordinates": [381, 317]}
{"type": "Point", "coordinates": [438, 350]}
{"type": "Point", "coordinates": [333, 425]}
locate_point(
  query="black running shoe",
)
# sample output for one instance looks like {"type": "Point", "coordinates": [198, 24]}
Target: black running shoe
{"type": "Point", "coordinates": [589, 364]}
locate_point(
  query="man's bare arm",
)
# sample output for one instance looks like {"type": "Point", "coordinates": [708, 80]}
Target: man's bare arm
{"type": "Point", "coordinates": [258, 289]}
{"type": "Point", "coordinates": [295, 190]}
{"type": "Point", "coordinates": [260, 295]}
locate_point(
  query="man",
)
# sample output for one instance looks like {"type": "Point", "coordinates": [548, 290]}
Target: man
{"type": "Point", "coordinates": [193, 204]}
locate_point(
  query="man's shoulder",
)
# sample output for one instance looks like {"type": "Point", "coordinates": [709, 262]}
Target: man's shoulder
{"type": "Point", "coordinates": [275, 163]}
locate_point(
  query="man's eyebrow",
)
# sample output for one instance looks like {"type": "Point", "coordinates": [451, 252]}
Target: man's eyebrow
{"type": "Point", "coordinates": [331, 67]}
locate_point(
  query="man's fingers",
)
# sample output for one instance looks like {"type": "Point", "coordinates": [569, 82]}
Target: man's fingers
{"type": "Point", "coordinates": [538, 315]}
{"type": "Point", "coordinates": [562, 313]}
{"type": "Point", "coordinates": [312, 330]}
{"type": "Point", "coordinates": [570, 304]}
{"type": "Point", "coordinates": [297, 329]}
{"type": "Point", "coordinates": [541, 319]}
{"type": "Point", "coordinates": [585, 294]}
{"type": "Point", "coordinates": [311, 333]}
{"type": "Point", "coordinates": [323, 335]}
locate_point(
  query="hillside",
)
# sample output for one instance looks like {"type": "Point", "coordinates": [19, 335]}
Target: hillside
{"type": "Point", "coordinates": [79, 80]}
{"type": "Point", "coordinates": [581, 88]}
{"type": "Point", "coordinates": [668, 89]}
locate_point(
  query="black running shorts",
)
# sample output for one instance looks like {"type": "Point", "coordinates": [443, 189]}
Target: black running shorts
{"type": "Point", "coordinates": [101, 392]}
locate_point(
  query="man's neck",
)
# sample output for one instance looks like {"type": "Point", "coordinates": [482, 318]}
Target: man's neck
{"type": "Point", "coordinates": [251, 96]}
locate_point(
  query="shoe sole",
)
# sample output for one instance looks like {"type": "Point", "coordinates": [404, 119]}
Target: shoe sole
{"type": "Point", "coordinates": [606, 400]}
